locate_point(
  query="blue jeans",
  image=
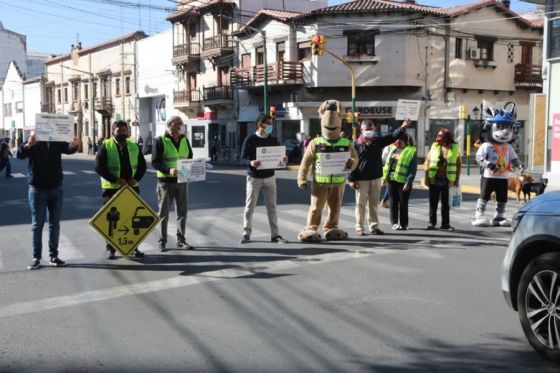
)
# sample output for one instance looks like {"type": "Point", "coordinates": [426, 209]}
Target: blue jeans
{"type": "Point", "coordinates": [42, 200]}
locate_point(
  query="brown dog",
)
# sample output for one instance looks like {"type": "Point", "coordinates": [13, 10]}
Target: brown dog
{"type": "Point", "coordinates": [515, 184]}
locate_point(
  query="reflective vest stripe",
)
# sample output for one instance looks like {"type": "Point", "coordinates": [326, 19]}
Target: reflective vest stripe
{"type": "Point", "coordinates": [114, 163]}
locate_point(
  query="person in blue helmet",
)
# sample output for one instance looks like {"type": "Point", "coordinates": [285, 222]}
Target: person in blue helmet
{"type": "Point", "coordinates": [497, 158]}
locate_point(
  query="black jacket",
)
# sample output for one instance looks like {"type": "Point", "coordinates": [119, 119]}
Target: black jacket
{"type": "Point", "coordinates": [370, 166]}
{"type": "Point", "coordinates": [45, 163]}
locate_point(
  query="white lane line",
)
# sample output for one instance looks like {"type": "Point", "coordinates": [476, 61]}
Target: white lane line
{"type": "Point", "coordinates": [68, 173]}
{"type": "Point", "coordinates": [18, 175]}
{"type": "Point", "coordinates": [91, 172]}
{"type": "Point", "coordinates": [151, 171]}
{"type": "Point", "coordinates": [23, 308]}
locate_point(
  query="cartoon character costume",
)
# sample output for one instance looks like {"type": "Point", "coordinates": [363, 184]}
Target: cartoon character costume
{"type": "Point", "coordinates": [497, 158]}
{"type": "Point", "coordinates": [326, 188]}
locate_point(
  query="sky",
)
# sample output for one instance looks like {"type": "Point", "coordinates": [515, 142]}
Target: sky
{"type": "Point", "coordinates": [51, 26]}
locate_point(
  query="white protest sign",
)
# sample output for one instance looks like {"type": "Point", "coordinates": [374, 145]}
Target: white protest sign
{"type": "Point", "coordinates": [333, 163]}
{"type": "Point", "coordinates": [54, 127]}
{"type": "Point", "coordinates": [271, 157]}
{"type": "Point", "coordinates": [190, 170]}
{"type": "Point", "coordinates": [408, 109]}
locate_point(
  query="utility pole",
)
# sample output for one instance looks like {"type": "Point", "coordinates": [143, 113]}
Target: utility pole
{"type": "Point", "coordinates": [123, 86]}
{"type": "Point", "coordinates": [265, 98]}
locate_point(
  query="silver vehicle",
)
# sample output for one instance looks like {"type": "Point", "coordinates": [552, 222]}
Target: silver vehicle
{"type": "Point", "coordinates": [531, 273]}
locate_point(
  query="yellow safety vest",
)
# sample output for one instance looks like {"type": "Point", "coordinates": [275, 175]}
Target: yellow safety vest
{"type": "Point", "coordinates": [452, 155]}
{"type": "Point", "coordinates": [114, 163]}
{"type": "Point", "coordinates": [323, 146]}
{"type": "Point", "coordinates": [403, 163]}
{"type": "Point", "coordinates": [171, 154]}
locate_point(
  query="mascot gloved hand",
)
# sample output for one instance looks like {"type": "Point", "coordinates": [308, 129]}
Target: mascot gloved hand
{"type": "Point", "coordinates": [497, 158]}
{"type": "Point", "coordinates": [326, 188]}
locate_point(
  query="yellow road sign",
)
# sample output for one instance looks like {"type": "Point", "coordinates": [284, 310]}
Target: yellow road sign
{"type": "Point", "coordinates": [125, 220]}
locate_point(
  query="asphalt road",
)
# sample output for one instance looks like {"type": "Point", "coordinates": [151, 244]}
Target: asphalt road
{"type": "Point", "coordinates": [404, 301]}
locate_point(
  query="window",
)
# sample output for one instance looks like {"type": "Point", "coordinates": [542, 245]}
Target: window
{"type": "Point", "coordinates": [192, 30]}
{"type": "Point", "coordinates": [458, 48]}
{"type": "Point", "coordinates": [117, 87]}
{"type": "Point", "coordinates": [486, 47]}
{"type": "Point", "coordinates": [304, 51]}
{"type": "Point", "coordinates": [280, 51]}
{"type": "Point", "coordinates": [260, 55]}
{"type": "Point", "coordinates": [75, 91]}
{"type": "Point", "coordinates": [95, 90]}
{"type": "Point", "coordinates": [127, 85]}
{"type": "Point", "coordinates": [223, 75]}
{"type": "Point", "coordinates": [19, 107]}
{"type": "Point", "coordinates": [246, 60]}
{"type": "Point", "coordinates": [105, 90]}
{"type": "Point", "coordinates": [553, 28]}
{"type": "Point", "coordinates": [65, 94]}
{"type": "Point", "coordinates": [58, 96]}
{"type": "Point", "coordinates": [8, 110]}
{"type": "Point", "coordinates": [86, 91]}
{"type": "Point", "coordinates": [361, 43]}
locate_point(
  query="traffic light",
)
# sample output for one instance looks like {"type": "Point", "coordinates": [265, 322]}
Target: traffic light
{"type": "Point", "coordinates": [318, 43]}
{"type": "Point", "coordinates": [272, 113]}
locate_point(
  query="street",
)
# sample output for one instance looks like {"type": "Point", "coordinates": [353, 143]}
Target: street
{"type": "Point", "coordinates": [411, 300]}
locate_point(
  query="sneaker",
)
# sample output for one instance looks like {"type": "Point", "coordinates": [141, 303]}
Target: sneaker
{"type": "Point", "coordinates": [35, 264]}
{"type": "Point", "coordinates": [185, 244]}
{"type": "Point", "coordinates": [396, 227]}
{"type": "Point", "coordinates": [278, 239]}
{"type": "Point", "coordinates": [377, 231]}
{"type": "Point", "coordinates": [57, 262]}
{"type": "Point", "coordinates": [430, 227]}
{"type": "Point", "coordinates": [161, 247]}
{"type": "Point", "coordinates": [360, 232]}
{"type": "Point", "coordinates": [402, 228]}
{"type": "Point", "coordinates": [111, 254]}
{"type": "Point", "coordinates": [244, 239]}
{"type": "Point", "coordinates": [137, 254]}
{"type": "Point", "coordinates": [447, 228]}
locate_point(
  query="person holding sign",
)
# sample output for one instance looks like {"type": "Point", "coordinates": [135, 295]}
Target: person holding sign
{"type": "Point", "coordinates": [119, 162]}
{"type": "Point", "coordinates": [170, 147]}
{"type": "Point", "coordinates": [399, 173]}
{"type": "Point", "coordinates": [443, 168]}
{"type": "Point", "coordinates": [366, 178]}
{"type": "Point", "coordinates": [45, 192]}
{"type": "Point", "coordinates": [260, 179]}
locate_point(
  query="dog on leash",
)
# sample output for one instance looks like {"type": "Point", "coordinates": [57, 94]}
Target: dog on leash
{"type": "Point", "coordinates": [537, 188]}
{"type": "Point", "coordinates": [515, 184]}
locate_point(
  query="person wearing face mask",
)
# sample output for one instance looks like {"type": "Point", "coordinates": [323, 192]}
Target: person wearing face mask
{"type": "Point", "coordinates": [443, 169]}
{"type": "Point", "coordinates": [170, 147]}
{"type": "Point", "coordinates": [366, 178]}
{"type": "Point", "coordinates": [258, 180]}
{"type": "Point", "coordinates": [119, 162]}
{"type": "Point", "coordinates": [399, 173]}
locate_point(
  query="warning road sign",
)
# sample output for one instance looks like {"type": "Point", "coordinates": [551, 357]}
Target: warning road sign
{"type": "Point", "coordinates": [125, 220]}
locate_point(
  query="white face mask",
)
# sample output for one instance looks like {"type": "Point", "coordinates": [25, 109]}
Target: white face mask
{"type": "Point", "coordinates": [368, 133]}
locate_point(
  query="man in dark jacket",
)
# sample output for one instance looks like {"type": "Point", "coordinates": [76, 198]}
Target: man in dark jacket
{"type": "Point", "coordinates": [119, 162]}
{"type": "Point", "coordinates": [5, 155]}
{"type": "Point", "coordinates": [366, 178]}
{"type": "Point", "coordinates": [45, 192]}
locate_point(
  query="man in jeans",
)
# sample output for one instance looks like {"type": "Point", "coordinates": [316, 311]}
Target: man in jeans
{"type": "Point", "coordinates": [45, 192]}
{"type": "Point", "coordinates": [170, 147]}
{"type": "Point", "coordinates": [258, 180]}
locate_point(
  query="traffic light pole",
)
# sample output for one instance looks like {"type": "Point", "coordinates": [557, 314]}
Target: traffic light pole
{"type": "Point", "coordinates": [353, 75]}
{"type": "Point", "coordinates": [468, 150]}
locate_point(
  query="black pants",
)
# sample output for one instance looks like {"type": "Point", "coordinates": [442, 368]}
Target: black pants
{"type": "Point", "coordinates": [398, 204]}
{"type": "Point", "coordinates": [439, 191]}
{"type": "Point", "coordinates": [489, 185]}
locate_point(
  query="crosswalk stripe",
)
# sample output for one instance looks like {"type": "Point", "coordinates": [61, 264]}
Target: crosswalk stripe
{"type": "Point", "coordinates": [91, 172]}
{"type": "Point", "coordinates": [151, 171]}
{"type": "Point", "coordinates": [66, 249]}
{"type": "Point", "coordinates": [18, 174]}
{"type": "Point", "coordinates": [68, 173]}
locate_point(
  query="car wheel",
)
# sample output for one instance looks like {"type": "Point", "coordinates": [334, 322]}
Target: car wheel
{"type": "Point", "coordinates": [538, 297]}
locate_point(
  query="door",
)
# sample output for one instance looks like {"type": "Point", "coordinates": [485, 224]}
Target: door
{"type": "Point", "coordinates": [526, 53]}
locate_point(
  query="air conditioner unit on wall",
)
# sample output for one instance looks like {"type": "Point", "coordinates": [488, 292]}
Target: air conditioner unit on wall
{"type": "Point", "coordinates": [473, 54]}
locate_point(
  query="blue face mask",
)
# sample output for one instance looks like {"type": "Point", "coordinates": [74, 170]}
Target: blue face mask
{"type": "Point", "coordinates": [369, 133]}
{"type": "Point", "coordinates": [268, 129]}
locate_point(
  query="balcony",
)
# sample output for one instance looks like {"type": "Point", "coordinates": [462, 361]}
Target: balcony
{"type": "Point", "coordinates": [217, 95]}
{"type": "Point", "coordinates": [217, 46]}
{"type": "Point", "coordinates": [104, 105]}
{"type": "Point", "coordinates": [75, 107]}
{"type": "Point", "coordinates": [186, 98]}
{"type": "Point", "coordinates": [48, 108]}
{"type": "Point", "coordinates": [186, 53]}
{"type": "Point", "coordinates": [281, 73]}
{"type": "Point", "coordinates": [528, 76]}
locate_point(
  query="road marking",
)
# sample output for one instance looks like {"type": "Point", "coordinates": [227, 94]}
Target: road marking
{"type": "Point", "coordinates": [89, 172]}
{"type": "Point", "coordinates": [151, 171]}
{"type": "Point", "coordinates": [18, 175]}
{"type": "Point", "coordinates": [23, 308]}
{"type": "Point", "coordinates": [66, 249]}
{"type": "Point", "coordinates": [1, 261]}
{"type": "Point", "coordinates": [68, 173]}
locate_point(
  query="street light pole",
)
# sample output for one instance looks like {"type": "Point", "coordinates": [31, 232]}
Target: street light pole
{"type": "Point", "coordinates": [265, 96]}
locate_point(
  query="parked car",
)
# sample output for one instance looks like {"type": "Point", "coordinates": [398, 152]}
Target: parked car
{"type": "Point", "coordinates": [531, 273]}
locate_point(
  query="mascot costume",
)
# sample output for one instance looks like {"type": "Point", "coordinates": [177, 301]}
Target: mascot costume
{"type": "Point", "coordinates": [497, 158]}
{"type": "Point", "coordinates": [327, 189]}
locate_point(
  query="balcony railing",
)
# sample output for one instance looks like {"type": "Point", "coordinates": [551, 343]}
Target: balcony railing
{"type": "Point", "coordinates": [186, 52]}
{"type": "Point", "coordinates": [528, 76]}
{"type": "Point", "coordinates": [281, 73]}
{"type": "Point", "coordinates": [75, 107]}
{"type": "Point", "coordinates": [104, 105]}
{"type": "Point", "coordinates": [217, 44]}
{"type": "Point", "coordinates": [48, 108]}
{"type": "Point", "coordinates": [217, 93]}
{"type": "Point", "coordinates": [186, 96]}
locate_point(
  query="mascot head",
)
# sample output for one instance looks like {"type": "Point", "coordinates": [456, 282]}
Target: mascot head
{"type": "Point", "coordinates": [331, 119]}
{"type": "Point", "coordinates": [501, 123]}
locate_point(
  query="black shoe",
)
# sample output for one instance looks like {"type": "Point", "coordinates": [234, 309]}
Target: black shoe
{"type": "Point", "coordinates": [185, 244]}
{"type": "Point", "coordinates": [447, 228]}
{"type": "Point", "coordinates": [111, 254]}
{"type": "Point", "coordinates": [161, 247]}
{"type": "Point", "coordinates": [278, 239]}
{"type": "Point", "coordinates": [430, 227]}
{"type": "Point", "coordinates": [137, 254]}
{"type": "Point", "coordinates": [35, 264]}
{"type": "Point", "coordinates": [376, 231]}
{"type": "Point", "coordinates": [56, 262]}
{"type": "Point", "coordinates": [245, 238]}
